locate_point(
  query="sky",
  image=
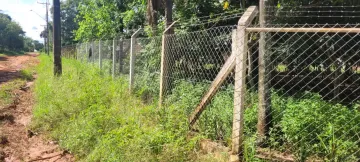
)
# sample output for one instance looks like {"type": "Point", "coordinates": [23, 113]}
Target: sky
{"type": "Point", "coordinates": [30, 21]}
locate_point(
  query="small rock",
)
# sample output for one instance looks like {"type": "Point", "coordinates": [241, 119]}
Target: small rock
{"type": "Point", "coordinates": [2, 155]}
{"type": "Point", "coordinates": [53, 142]}
{"type": "Point", "coordinates": [3, 140]}
{"type": "Point", "coordinates": [30, 133]}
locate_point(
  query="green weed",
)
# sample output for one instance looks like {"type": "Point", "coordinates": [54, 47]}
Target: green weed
{"type": "Point", "coordinates": [297, 122]}
{"type": "Point", "coordinates": [6, 90]}
{"type": "Point", "coordinates": [95, 118]}
{"type": "Point", "coordinates": [26, 75]}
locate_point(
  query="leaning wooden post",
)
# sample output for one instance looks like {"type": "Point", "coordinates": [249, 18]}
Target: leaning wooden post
{"type": "Point", "coordinates": [114, 59]}
{"type": "Point", "coordinates": [239, 49]}
{"type": "Point", "coordinates": [132, 58]}
{"type": "Point", "coordinates": [264, 109]}
{"type": "Point", "coordinates": [164, 83]}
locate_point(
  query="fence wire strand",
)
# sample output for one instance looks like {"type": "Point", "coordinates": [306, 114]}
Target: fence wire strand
{"type": "Point", "coordinates": [311, 90]}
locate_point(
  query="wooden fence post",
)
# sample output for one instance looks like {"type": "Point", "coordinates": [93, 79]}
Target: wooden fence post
{"type": "Point", "coordinates": [132, 59]}
{"type": "Point", "coordinates": [100, 58]}
{"type": "Point", "coordinates": [164, 83]}
{"type": "Point", "coordinates": [239, 49]}
{"type": "Point", "coordinates": [264, 110]}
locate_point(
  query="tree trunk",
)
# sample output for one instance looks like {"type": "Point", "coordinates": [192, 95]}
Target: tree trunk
{"type": "Point", "coordinates": [168, 15]}
{"type": "Point", "coordinates": [153, 7]}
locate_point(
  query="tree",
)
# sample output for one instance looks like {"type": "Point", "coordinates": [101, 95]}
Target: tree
{"type": "Point", "coordinates": [108, 18]}
{"type": "Point", "coordinates": [38, 46]}
{"type": "Point", "coordinates": [153, 12]}
{"type": "Point", "coordinates": [69, 10]}
{"type": "Point", "coordinates": [11, 34]}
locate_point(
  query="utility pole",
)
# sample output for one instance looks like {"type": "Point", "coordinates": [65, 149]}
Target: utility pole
{"type": "Point", "coordinates": [57, 38]}
{"type": "Point", "coordinates": [47, 26]}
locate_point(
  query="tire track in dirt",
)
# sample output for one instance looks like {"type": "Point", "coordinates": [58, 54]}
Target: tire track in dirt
{"type": "Point", "coordinates": [17, 142]}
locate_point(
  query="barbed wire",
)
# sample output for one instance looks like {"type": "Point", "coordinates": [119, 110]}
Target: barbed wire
{"type": "Point", "coordinates": [284, 6]}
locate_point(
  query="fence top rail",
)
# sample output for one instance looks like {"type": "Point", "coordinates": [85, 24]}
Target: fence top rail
{"type": "Point", "coordinates": [305, 30]}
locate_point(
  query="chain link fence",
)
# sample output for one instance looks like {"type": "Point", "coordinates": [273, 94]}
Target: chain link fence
{"type": "Point", "coordinates": [298, 85]}
{"type": "Point", "coordinates": [302, 93]}
{"type": "Point", "coordinates": [194, 60]}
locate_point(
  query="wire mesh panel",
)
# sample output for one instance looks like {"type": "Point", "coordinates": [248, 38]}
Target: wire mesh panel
{"type": "Point", "coordinates": [311, 111]}
{"type": "Point", "coordinates": [147, 67]}
{"type": "Point", "coordinates": [83, 51]}
{"type": "Point", "coordinates": [69, 51]}
{"type": "Point", "coordinates": [194, 60]}
{"type": "Point", "coordinates": [125, 57]}
{"type": "Point", "coordinates": [94, 48]}
{"type": "Point", "coordinates": [106, 55]}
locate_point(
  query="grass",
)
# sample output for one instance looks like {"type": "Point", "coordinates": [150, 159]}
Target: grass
{"type": "Point", "coordinates": [11, 53]}
{"type": "Point", "coordinates": [298, 122]}
{"type": "Point", "coordinates": [6, 91]}
{"type": "Point", "coordinates": [7, 88]}
{"type": "Point", "coordinates": [95, 118]}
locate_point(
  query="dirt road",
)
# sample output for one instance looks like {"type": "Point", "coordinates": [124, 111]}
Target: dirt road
{"type": "Point", "coordinates": [17, 142]}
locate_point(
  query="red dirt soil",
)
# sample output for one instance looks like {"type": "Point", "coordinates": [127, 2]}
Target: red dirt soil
{"type": "Point", "coordinates": [17, 142]}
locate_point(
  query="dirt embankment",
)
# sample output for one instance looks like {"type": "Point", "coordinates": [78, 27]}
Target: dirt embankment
{"type": "Point", "coordinates": [17, 141]}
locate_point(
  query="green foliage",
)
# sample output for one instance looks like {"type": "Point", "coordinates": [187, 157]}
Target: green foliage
{"type": "Point", "coordinates": [312, 122]}
{"type": "Point", "coordinates": [108, 18]}
{"type": "Point", "coordinates": [26, 75]}
{"type": "Point", "coordinates": [307, 126]}
{"type": "Point", "coordinates": [6, 91]}
{"type": "Point", "coordinates": [147, 69]}
{"type": "Point", "coordinates": [68, 14]}
{"type": "Point", "coordinates": [94, 117]}
{"type": "Point", "coordinates": [11, 34]}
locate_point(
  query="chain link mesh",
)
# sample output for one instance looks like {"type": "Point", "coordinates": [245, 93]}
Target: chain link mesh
{"type": "Point", "coordinates": [311, 96]}
{"type": "Point", "coordinates": [311, 101]}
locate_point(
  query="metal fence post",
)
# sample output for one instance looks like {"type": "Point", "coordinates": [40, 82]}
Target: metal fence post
{"type": "Point", "coordinates": [164, 67]}
{"type": "Point", "coordinates": [121, 50]}
{"type": "Point", "coordinates": [92, 59]}
{"type": "Point", "coordinates": [113, 59]}
{"type": "Point", "coordinates": [86, 51]}
{"type": "Point", "coordinates": [132, 59]}
{"type": "Point", "coordinates": [100, 58]}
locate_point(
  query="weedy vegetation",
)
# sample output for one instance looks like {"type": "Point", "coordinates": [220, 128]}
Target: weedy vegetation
{"type": "Point", "coordinates": [94, 117]}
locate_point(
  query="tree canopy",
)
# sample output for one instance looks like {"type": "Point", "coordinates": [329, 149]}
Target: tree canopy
{"type": "Point", "coordinates": [12, 36]}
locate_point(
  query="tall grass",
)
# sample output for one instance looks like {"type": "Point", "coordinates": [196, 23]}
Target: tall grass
{"type": "Point", "coordinates": [94, 117]}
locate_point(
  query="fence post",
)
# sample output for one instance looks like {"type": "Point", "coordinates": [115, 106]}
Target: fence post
{"type": "Point", "coordinates": [83, 54]}
{"type": "Point", "coordinates": [100, 58]}
{"type": "Point", "coordinates": [132, 59]}
{"type": "Point", "coordinates": [264, 110]}
{"type": "Point", "coordinates": [92, 59]}
{"type": "Point", "coordinates": [239, 48]}
{"type": "Point", "coordinates": [113, 59]}
{"type": "Point", "coordinates": [121, 51]}
{"type": "Point", "coordinates": [164, 66]}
